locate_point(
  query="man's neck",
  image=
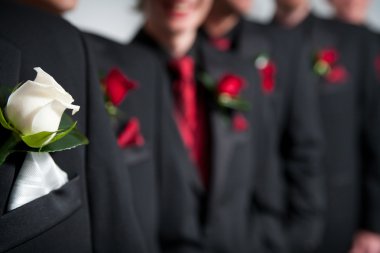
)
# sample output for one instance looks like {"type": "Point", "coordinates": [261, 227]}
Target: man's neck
{"type": "Point", "coordinates": [358, 21]}
{"type": "Point", "coordinates": [176, 44]}
{"type": "Point", "coordinates": [292, 17]}
{"type": "Point", "coordinates": [220, 22]}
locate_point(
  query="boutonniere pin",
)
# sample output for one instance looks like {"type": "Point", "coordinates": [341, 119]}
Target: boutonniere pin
{"type": "Point", "coordinates": [267, 70]}
{"type": "Point", "coordinates": [116, 86]}
{"type": "Point", "coordinates": [325, 65]}
{"type": "Point", "coordinates": [35, 121]}
{"type": "Point", "coordinates": [227, 93]}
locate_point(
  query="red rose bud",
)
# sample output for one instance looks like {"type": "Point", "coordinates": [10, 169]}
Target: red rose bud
{"type": "Point", "coordinates": [269, 69]}
{"type": "Point", "coordinates": [230, 85]}
{"type": "Point", "coordinates": [329, 55]}
{"type": "Point", "coordinates": [131, 135]}
{"type": "Point", "coordinates": [240, 123]}
{"type": "Point", "coordinates": [337, 75]}
{"type": "Point", "coordinates": [117, 86]}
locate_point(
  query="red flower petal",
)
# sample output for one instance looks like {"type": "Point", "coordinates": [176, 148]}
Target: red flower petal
{"type": "Point", "coordinates": [337, 74]}
{"type": "Point", "coordinates": [268, 85]}
{"type": "Point", "coordinates": [377, 65]}
{"type": "Point", "coordinates": [328, 55]}
{"type": "Point", "coordinates": [117, 86]}
{"type": "Point", "coordinates": [268, 77]}
{"type": "Point", "coordinates": [240, 123]}
{"type": "Point", "coordinates": [131, 134]}
{"type": "Point", "coordinates": [230, 85]}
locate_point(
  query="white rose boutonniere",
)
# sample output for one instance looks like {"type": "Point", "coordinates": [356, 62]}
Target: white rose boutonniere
{"type": "Point", "coordinates": [34, 115]}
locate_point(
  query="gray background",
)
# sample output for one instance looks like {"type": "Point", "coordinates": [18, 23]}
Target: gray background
{"type": "Point", "coordinates": [118, 20]}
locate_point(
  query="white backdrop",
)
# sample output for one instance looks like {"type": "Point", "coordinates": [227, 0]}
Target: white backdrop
{"type": "Point", "coordinates": [118, 20]}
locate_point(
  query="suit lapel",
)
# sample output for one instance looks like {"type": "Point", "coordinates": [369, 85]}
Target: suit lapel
{"type": "Point", "coordinates": [224, 143]}
{"type": "Point", "coordinates": [172, 142]}
{"type": "Point", "coordinates": [250, 42]}
{"type": "Point", "coordinates": [320, 38]}
{"type": "Point", "coordinates": [224, 139]}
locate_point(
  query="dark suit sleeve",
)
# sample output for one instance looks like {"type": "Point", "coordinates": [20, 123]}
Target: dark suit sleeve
{"type": "Point", "coordinates": [302, 152]}
{"type": "Point", "coordinates": [371, 133]}
{"type": "Point", "coordinates": [114, 223]}
{"type": "Point", "coordinates": [9, 72]}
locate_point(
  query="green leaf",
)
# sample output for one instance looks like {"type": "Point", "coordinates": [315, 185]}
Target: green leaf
{"type": "Point", "coordinates": [112, 110]}
{"type": "Point", "coordinates": [321, 68]}
{"type": "Point", "coordinates": [63, 133]}
{"type": "Point", "coordinates": [41, 139]}
{"type": "Point", "coordinates": [71, 140]}
{"type": "Point", "coordinates": [66, 122]}
{"type": "Point", "coordinates": [6, 124]}
{"type": "Point", "coordinates": [207, 80]}
{"type": "Point", "coordinates": [37, 140]}
{"type": "Point", "coordinates": [233, 103]}
{"type": "Point", "coordinates": [7, 147]}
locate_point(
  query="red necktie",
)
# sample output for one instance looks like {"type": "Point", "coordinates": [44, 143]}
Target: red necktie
{"type": "Point", "coordinates": [222, 44]}
{"type": "Point", "coordinates": [189, 114]}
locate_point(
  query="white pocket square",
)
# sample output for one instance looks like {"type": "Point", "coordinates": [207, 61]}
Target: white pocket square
{"type": "Point", "coordinates": [38, 176]}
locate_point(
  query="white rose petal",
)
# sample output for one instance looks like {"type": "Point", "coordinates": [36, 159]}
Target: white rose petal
{"type": "Point", "coordinates": [38, 105]}
{"type": "Point", "coordinates": [51, 112]}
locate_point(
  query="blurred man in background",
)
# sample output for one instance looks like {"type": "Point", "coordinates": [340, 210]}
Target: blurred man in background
{"type": "Point", "coordinates": [289, 196]}
{"type": "Point", "coordinates": [210, 150]}
{"type": "Point", "coordinates": [355, 12]}
{"type": "Point", "coordinates": [342, 58]}
{"type": "Point", "coordinates": [351, 11]}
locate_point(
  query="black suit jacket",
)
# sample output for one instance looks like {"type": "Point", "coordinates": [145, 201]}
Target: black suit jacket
{"type": "Point", "coordinates": [140, 66]}
{"type": "Point", "coordinates": [222, 218]}
{"type": "Point", "coordinates": [181, 197]}
{"type": "Point", "coordinates": [89, 213]}
{"type": "Point", "coordinates": [350, 114]}
{"type": "Point", "coordinates": [292, 192]}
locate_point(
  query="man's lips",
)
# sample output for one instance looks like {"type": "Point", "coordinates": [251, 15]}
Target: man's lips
{"type": "Point", "coordinates": [179, 9]}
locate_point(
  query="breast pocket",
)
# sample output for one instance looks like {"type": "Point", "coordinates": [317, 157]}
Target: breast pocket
{"type": "Point", "coordinates": [135, 156]}
{"type": "Point", "coordinates": [328, 88]}
{"type": "Point", "coordinates": [37, 216]}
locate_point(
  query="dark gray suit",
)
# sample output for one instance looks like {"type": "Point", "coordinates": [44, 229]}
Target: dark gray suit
{"type": "Point", "coordinates": [222, 218]}
{"type": "Point", "coordinates": [350, 111]}
{"type": "Point", "coordinates": [143, 103]}
{"type": "Point", "coordinates": [291, 194]}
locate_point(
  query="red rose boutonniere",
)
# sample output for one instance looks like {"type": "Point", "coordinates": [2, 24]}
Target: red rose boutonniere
{"type": "Point", "coordinates": [268, 71]}
{"type": "Point", "coordinates": [227, 91]}
{"type": "Point", "coordinates": [325, 65]}
{"type": "Point", "coordinates": [116, 87]}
